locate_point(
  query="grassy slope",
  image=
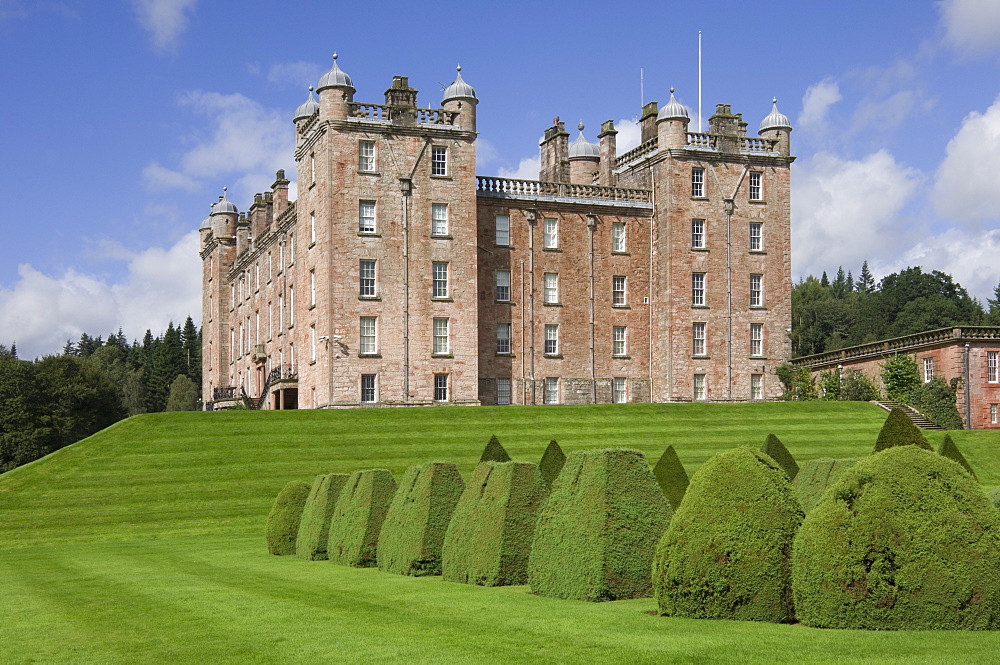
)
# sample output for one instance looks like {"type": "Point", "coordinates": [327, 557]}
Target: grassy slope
{"type": "Point", "coordinates": [144, 543]}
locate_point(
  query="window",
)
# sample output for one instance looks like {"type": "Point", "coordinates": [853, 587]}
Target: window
{"type": "Point", "coordinates": [281, 312]}
{"type": "Point", "coordinates": [928, 369]}
{"type": "Point", "coordinates": [698, 233]}
{"type": "Point", "coordinates": [756, 236]}
{"type": "Point", "coordinates": [756, 294]}
{"type": "Point", "coordinates": [503, 391]}
{"type": "Point", "coordinates": [551, 339]}
{"type": "Point", "coordinates": [503, 339]}
{"type": "Point", "coordinates": [755, 180]}
{"type": "Point", "coordinates": [618, 291]}
{"type": "Point", "coordinates": [699, 386]}
{"type": "Point", "coordinates": [366, 217]}
{"type": "Point", "coordinates": [270, 267]}
{"type": "Point", "coordinates": [291, 306]}
{"type": "Point", "coordinates": [503, 230]}
{"type": "Point", "coordinates": [698, 288]}
{"type": "Point", "coordinates": [291, 250]}
{"type": "Point", "coordinates": [366, 155]}
{"type": "Point", "coordinates": [619, 395]}
{"type": "Point", "coordinates": [439, 160]}
{"type": "Point", "coordinates": [256, 276]}
{"type": "Point", "coordinates": [369, 339]}
{"type": "Point", "coordinates": [312, 343]}
{"type": "Point", "coordinates": [312, 227]}
{"type": "Point", "coordinates": [618, 347]}
{"type": "Point", "coordinates": [698, 182]}
{"type": "Point", "coordinates": [312, 288]}
{"type": "Point", "coordinates": [617, 236]}
{"type": "Point", "coordinates": [281, 257]}
{"type": "Point", "coordinates": [439, 279]}
{"type": "Point", "coordinates": [232, 345]}
{"type": "Point", "coordinates": [439, 219]}
{"type": "Point", "coordinates": [270, 320]}
{"type": "Point", "coordinates": [366, 271]}
{"type": "Point", "coordinates": [256, 329]}
{"type": "Point", "coordinates": [440, 336]}
{"type": "Point", "coordinates": [368, 388]}
{"type": "Point", "coordinates": [698, 339]}
{"type": "Point", "coordinates": [551, 294]}
{"type": "Point", "coordinates": [992, 369]}
{"type": "Point", "coordinates": [440, 387]}
{"type": "Point", "coordinates": [312, 168]}
{"type": "Point", "coordinates": [551, 235]}
{"type": "Point", "coordinates": [756, 339]}
{"type": "Point", "coordinates": [551, 390]}
{"type": "Point", "coordinates": [503, 285]}
{"type": "Point", "coordinates": [994, 415]}
{"type": "Point", "coordinates": [756, 386]}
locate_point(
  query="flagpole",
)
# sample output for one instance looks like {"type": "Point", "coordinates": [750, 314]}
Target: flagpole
{"type": "Point", "coordinates": [699, 81]}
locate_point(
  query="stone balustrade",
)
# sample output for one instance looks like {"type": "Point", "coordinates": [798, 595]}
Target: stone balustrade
{"type": "Point", "coordinates": [702, 141]}
{"type": "Point", "coordinates": [535, 189]}
{"type": "Point", "coordinates": [637, 153]}
{"type": "Point", "coordinates": [899, 345]}
{"type": "Point", "coordinates": [436, 117]}
{"type": "Point", "coordinates": [753, 144]}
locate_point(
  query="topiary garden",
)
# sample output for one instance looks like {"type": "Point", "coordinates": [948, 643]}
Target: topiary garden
{"type": "Point", "coordinates": [358, 516]}
{"type": "Point", "coordinates": [283, 521]}
{"type": "Point", "coordinates": [314, 530]}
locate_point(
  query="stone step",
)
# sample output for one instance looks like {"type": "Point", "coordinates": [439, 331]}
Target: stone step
{"type": "Point", "coordinates": [918, 419]}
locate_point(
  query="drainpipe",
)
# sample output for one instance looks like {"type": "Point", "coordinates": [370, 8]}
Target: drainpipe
{"type": "Point", "coordinates": [532, 217]}
{"type": "Point", "coordinates": [592, 227]}
{"type": "Point", "coordinates": [406, 186]}
{"type": "Point", "coordinates": [965, 387]}
{"type": "Point", "coordinates": [729, 205]}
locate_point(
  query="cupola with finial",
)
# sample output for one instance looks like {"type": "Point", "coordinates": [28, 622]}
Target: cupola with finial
{"type": "Point", "coordinates": [584, 158]}
{"type": "Point", "coordinates": [672, 124]}
{"type": "Point", "coordinates": [461, 97]}
{"type": "Point", "coordinates": [223, 217]}
{"type": "Point", "coordinates": [336, 92]}
{"type": "Point", "coordinates": [307, 109]}
{"type": "Point", "coordinates": [777, 126]}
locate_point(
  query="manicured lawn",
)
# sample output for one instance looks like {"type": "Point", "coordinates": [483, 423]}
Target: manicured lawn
{"type": "Point", "coordinates": [145, 543]}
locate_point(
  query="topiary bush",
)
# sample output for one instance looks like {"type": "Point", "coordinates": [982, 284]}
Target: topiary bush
{"type": "Point", "coordinates": [727, 552]}
{"type": "Point", "coordinates": [775, 449]}
{"type": "Point", "coordinates": [597, 532]}
{"type": "Point", "coordinates": [417, 519]}
{"type": "Point", "coordinates": [995, 498]}
{"type": "Point", "coordinates": [905, 540]}
{"type": "Point", "coordinates": [551, 463]}
{"type": "Point", "coordinates": [357, 517]}
{"type": "Point", "coordinates": [494, 452]}
{"type": "Point", "coordinates": [815, 476]}
{"type": "Point", "coordinates": [671, 477]}
{"type": "Point", "coordinates": [286, 514]}
{"type": "Point", "coordinates": [489, 538]}
{"type": "Point", "coordinates": [314, 530]}
{"type": "Point", "coordinates": [950, 450]}
{"type": "Point", "coordinates": [899, 430]}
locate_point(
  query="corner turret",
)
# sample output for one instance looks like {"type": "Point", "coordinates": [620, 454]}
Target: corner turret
{"type": "Point", "coordinates": [461, 97]}
{"type": "Point", "coordinates": [336, 92]}
{"type": "Point", "coordinates": [672, 124]}
{"type": "Point", "coordinates": [776, 126]}
{"type": "Point", "coordinates": [224, 215]}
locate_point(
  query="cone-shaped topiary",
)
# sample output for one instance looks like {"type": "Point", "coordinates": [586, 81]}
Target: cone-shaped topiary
{"type": "Point", "coordinates": [494, 452]}
{"type": "Point", "coordinates": [551, 463]}
{"type": "Point", "coordinates": [775, 449]}
{"type": "Point", "coordinates": [671, 477]}
{"type": "Point", "coordinates": [905, 540]}
{"type": "Point", "coordinates": [899, 430]}
{"type": "Point", "coordinates": [597, 532]}
{"type": "Point", "coordinates": [357, 518]}
{"type": "Point", "coordinates": [489, 538]}
{"type": "Point", "coordinates": [285, 516]}
{"type": "Point", "coordinates": [950, 450]}
{"type": "Point", "coordinates": [314, 530]}
{"type": "Point", "coordinates": [727, 552]}
{"type": "Point", "coordinates": [815, 476]}
{"type": "Point", "coordinates": [417, 519]}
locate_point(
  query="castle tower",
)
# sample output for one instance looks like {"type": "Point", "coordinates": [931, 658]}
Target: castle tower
{"type": "Point", "coordinates": [584, 160]}
{"type": "Point", "coordinates": [672, 124]}
{"type": "Point", "coordinates": [460, 97]}
{"type": "Point", "coordinates": [218, 252]}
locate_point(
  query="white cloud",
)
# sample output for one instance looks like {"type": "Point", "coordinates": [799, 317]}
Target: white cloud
{"type": "Point", "coordinates": [816, 102]}
{"type": "Point", "coordinates": [628, 135]}
{"type": "Point", "coordinates": [968, 256]}
{"type": "Point", "coordinates": [848, 211]}
{"type": "Point", "coordinates": [527, 169]}
{"type": "Point", "coordinates": [40, 312]}
{"type": "Point", "coordinates": [295, 74]}
{"type": "Point", "coordinates": [968, 179]}
{"type": "Point", "coordinates": [157, 176]}
{"type": "Point", "coordinates": [165, 20]}
{"type": "Point", "coordinates": [971, 26]}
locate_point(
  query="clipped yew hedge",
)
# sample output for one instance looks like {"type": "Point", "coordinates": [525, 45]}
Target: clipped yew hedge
{"type": "Point", "coordinates": [494, 452]}
{"type": "Point", "coordinates": [950, 450]}
{"type": "Point", "coordinates": [489, 538]}
{"type": "Point", "coordinates": [899, 430]}
{"type": "Point", "coordinates": [283, 521]}
{"type": "Point", "coordinates": [815, 476]}
{"type": "Point", "coordinates": [314, 530]}
{"type": "Point", "coordinates": [775, 449]}
{"type": "Point", "coordinates": [905, 540]}
{"type": "Point", "coordinates": [671, 477]}
{"type": "Point", "coordinates": [357, 517]}
{"type": "Point", "coordinates": [598, 529]}
{"type": "Point", "coordinates": [551, 463]}
{"type": "Point", "coordinates": [727, 552]}
{"type": "Point", "coordinates": [414, 526]}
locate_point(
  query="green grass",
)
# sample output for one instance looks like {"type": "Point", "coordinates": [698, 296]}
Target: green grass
{"type": "Point", "coordinates": [145, 543]}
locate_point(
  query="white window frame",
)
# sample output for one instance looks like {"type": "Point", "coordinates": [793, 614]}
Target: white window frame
{"type": "Point", "coordinates": [312, 343]}
{"type": "Point", "coordinates": [697, 182]}
{"type": "Point", "coordinates": [756, 186]}
{"type": "Point", "coordinates": [439, 280]}
{"type": "Point", "coordinates": [551, 290]}
{"type": "Point", "coordinates": [551, 344]}
{"type": "Point", "coordinates": [439, 160]}
{"type": "Point", "coordinates": [994, 414]}
{"type": "Point", "coordinates": [619, 294]}
{"type": "Point", "coordinates": [698, 289]}
{"type": "Point", "coordinates": [367, 278]}
{"type": "Point", "coordinates": [698, 234]}
{"type": "Point", "coordinates": [992, 367]}
{"type": "Point", "coordinates": [291, 305]}
{"type": "Point", "coordinates": [619, 390]}
{"type": "Point", "coordinates": [367, 220]}
{"type": "Point", "coordinates": [441, 387]}
{"type": "Point", "coordinates": [441, 338]}
{"type": "Point", "coordinates": [698, 344]}
{"type": "Point", "coordinates": [366, 156]}
{"type": "Point", "coordinates": [619, 341]}
{"type": "Point", "coordinates": [756, 242]}
{"type": "Point", "coordinates": [439, 219]}
{"type": "Point", "coordinates": [756, 290]}
{"type": "Point", "coordinates": [503, 285]}
{"type": "Point", "coordinates": [312, 228]}
{"type": "Point", "coordinates": [551, 395]}
{"type": "Point", "coordinates": [369, 391]}
{"type": "Point", "coordinates": [618, 237]}
{"type": "Point", "coordinates": [368, 336]}
{"type": "Point", "coordinates": [756, 340]}
{"type": "Point", "coordinates": [503, 391]}
{"type": "Point", "coordinates": [502, 231]}
{"type": "Point", "coordinates": [756, 387]}
{"type": "Point", "coordinates": [312, 287]}
{"type": "Point", "coordinates": [928, 369]}
{"type": "Point", "coordinates": [700, 391]}
{"type": "Point", "coordinates": [503, 339]}
{"type": "Point", "coordinates": [550, 233]}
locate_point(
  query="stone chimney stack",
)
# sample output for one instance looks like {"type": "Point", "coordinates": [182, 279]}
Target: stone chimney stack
{"type": "Point", "coordinates": [555, 153]}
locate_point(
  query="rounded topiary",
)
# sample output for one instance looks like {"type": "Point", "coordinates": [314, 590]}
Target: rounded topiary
{"type": "Point", "coordinates": [727, 552]}
{"type": "Point", "coordinates": [671, 477]}
{"type": "Point", "coordinates": [358, 516]}
{"type": "Point", "coordinates": [899, 430]}
{"type": "Point", "coordinates": [494, 452]}
{"type": "Point", "coordinates": [904, 540]}
{"type": "Point", "coordinates": [489, 538]}
{"type": "Point", "coordinates": [314, 530]}
{"type": "Point", "coordinates": [286, 514]}
{"type": "Point", "coordinates": [598, 529]}
{"type": "Point", "coordinates": [950, 450]}
{"type": "Point", "coordinates": [775, 449]}
{"type": "Point", "coordinates": [417, 519]}
{"type": "Point", "coordinates": [815, 476]}
{"type": "Point", "coordinates": [551, 463]}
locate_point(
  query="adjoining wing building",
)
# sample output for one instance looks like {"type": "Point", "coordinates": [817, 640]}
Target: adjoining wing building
{"type": "Point", "coordinates": [401, 277]}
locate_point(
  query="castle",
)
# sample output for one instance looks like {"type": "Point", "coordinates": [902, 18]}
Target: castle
{"type": "Point", "coordinates": [401, 277]}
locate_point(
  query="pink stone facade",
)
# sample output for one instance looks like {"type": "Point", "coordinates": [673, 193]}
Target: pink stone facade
{"type": "Point", "coordinates": [400, 277]}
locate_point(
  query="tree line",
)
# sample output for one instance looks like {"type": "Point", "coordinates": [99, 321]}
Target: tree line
{"type": "Point", "coordinates": [832, 314]}
{"type": "Point", "coordinates": [51, 402]}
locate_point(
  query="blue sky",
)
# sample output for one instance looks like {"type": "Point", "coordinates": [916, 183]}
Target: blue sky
{"type": "Point", "coordinates": [122, 120]}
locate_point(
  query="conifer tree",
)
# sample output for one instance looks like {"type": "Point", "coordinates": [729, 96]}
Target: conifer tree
{"type": "Point", "coordinates": [494, 452]}
{"type": "Point", "coordinates": [950, 450]}
{"type": "Point", "coordinates": [866, 283]}
{"type": "Point", "coordinates": [899, 430]}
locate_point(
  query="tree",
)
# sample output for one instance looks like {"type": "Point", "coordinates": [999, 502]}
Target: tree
{"type": "Point", "coordinates": [167, 363]}
{"type": "Point", "coordinates": [900, 377]}
{"type": "Point", "coordinates": [866, 283]}
{"type": "Point", "coordinates": [183, 395]}
{"type": "Point", "coordinates": [191, 344]}
{"type": "Point", "coordinates": [994, 316]}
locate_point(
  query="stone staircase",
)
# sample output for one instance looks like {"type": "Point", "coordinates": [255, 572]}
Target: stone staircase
{"type": "Point", "coordinates": [918, 418]}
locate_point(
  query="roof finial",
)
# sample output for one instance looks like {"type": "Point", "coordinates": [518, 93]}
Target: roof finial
{"type": "Point", "coordinates": [580, 125]}
{"type": "Point", "coordinates": [774, 100]}
{"type": "Point", "coordinates": [671, 90]}
{"type": "Point", "coordinates": [224, 190]}
{"type": "Point", "coordinates": [459, 68]}
{"type": "Point", "coordinates": [335, 57]}
{"type": "Point", "coordinates": [310, 88]}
